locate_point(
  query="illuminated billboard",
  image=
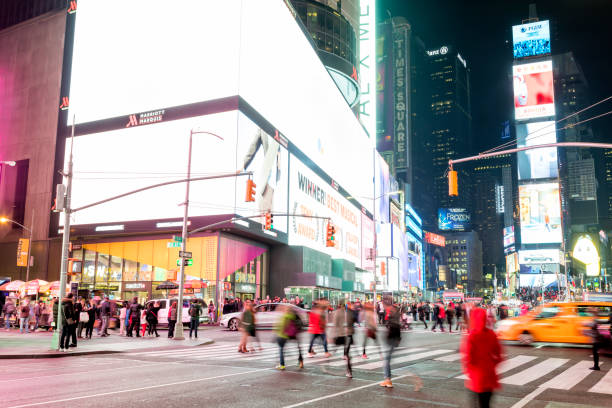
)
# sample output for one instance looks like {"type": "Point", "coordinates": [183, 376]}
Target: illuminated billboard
{"type": "Point", "coordinates": [539, 256]}
{"type": "Point", "coordinates": [539, 268]}
{"type": "Point", "coordinates": [531, 39]}
{"type": "Point", "coordinates": [311, 195]}
{"type": "Point", "coordinates": [538, 280]}
{"type": "Point", "coordinates": [512, 265]}
{"type": "Point", "coordinates": [435, 239]}
{"type": "Point", "coordinates": [585, 250]}
{"type": "Point", "coordinates": [509, 237]}
{"type": "Point", "coordinates": [453, 219]}
{"type": "Point", "coordinates": [540, 213]}
{"type": "Point", "coordinates": [199, 57]}
{"type": "Point", "coordinates": [118, 161]}
{"type": "Point", "coordinates": [533, 90]}
{"type": "Point", "coordinates": [537, 163]}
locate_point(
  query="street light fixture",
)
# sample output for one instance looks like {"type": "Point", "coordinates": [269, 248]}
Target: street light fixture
{"type": "Point", "coordinates": [178, 334]}
{"type": "Point", "coordinates": [4, 220]}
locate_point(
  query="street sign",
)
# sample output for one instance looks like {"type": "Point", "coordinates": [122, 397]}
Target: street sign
{"type": "Point", "coordinates": [185, 254]}
{"type": "Point", "coordinates": [173, 244]}
{"type": "Point", "coordinates": [177, 238]}
{"type": "Point", "coordinates": [187, 262]}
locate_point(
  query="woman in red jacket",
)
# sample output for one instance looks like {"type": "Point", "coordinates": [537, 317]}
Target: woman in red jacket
{"type": "Point", "coordinates": [481, 353]}
{"type": "Point", "coordinates": [317, 323]}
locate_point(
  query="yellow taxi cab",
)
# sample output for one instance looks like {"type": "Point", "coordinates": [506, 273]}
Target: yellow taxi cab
{"type": "Point", "coordinates": [553, 323]}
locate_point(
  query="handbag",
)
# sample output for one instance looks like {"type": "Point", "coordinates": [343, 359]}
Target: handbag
{"type": "Point", "coordinates": [84, 317]}
{"type": "Point", "coordinates": [69, 321]}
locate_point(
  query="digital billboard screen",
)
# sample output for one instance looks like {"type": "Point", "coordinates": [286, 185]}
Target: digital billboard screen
{"type": "Point", "coordinates": [540, 213]}
{"type": "Point", "coordinates": [453, 219]}
{"type": "Point", "coordinates": [539, 256]}
{"type": "Point", "coordinates": [533, 90]}
{"type": "Point", "coordinates": [537, 163]}
{"type": "Point", "coordinates": [118, 161]}
{"type": "Point", "coordinates": [531, 39]}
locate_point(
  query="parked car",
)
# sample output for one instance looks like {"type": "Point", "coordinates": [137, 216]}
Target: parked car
{"type": "Point", "coordinates": [164, 304]}
{"type": "Point", "coordinates": [553, 323]}
{"type": "Point", "coordinates": [266, 316]}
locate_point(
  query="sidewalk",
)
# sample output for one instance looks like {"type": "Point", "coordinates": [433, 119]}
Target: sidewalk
{"type": "Point", "coordinates": [14, 345]}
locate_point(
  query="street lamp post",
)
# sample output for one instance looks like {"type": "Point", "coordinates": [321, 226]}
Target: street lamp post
{"type": "Point", "coordinates": [4, 219]}
{"type": "Point", "coordinates": [178, 334]}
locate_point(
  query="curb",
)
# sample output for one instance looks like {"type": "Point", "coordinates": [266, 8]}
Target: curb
{"type": "Point", "coordinates": [59, 354]}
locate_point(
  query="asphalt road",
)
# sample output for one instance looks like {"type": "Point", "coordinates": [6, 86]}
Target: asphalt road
{"type": "Point", "coordinates": [216, 375]}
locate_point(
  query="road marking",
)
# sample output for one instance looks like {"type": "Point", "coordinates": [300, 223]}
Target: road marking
{"type": "Point", "coordinates": [102, 394]}
{"type": "Point", "coordinates": [449, 358]}
{"type": "Point", "coordinates": [508, 365]}
{"type": "Point", "coordinates": [604, 386]}
{"type": "Point", "coordinates": [527, 398]}
{"type": "Point", "coordinates": [375, 359]}
{"type": "Point", "coordinates": [418, 356]}
{"type": "Point", "coordinates": [570, 377]}
{"type": "Point", "coordinates": [534, 372]}
{"type": "Point", "coordinates": [299, 404]}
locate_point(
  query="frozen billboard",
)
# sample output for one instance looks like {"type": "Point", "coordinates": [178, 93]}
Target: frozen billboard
{"type": "Point", "coordinates": [533, 90]}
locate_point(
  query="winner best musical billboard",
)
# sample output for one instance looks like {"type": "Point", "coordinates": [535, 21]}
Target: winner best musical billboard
{"type": "Point", "coordinates": [310, 195]}
{"type": "Point", "coordinates": [540, 213]}
{"type": "Point", "coordinates": [533, 90]}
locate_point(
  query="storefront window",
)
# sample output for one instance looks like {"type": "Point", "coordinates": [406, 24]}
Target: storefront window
{"type": "Point", "coordinates": [145, 273]}
{"type": "Point", "coordinates": [102, 268]}
{"type": "Point", "coordinates": [89, 266]}
{"type": "Point", "coordinates": [130, 270]}
{"type": "Point", "coordinates": [115, 269]}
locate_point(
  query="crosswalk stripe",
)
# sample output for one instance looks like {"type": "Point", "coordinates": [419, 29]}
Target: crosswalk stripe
{"type": "Point", "coordinates": [449, 358]}
{"type": "Point", "coordinates": [418, 356]}
{"type": "Point", "coordinates": [603, 386]}
{"type": "Point", "coordinates": [176, 353]}
{"type": "Point", "coordinates": [161, 352]}
{"type": "Point", "coordinates": [343, 362]}
{"type": "Point", "coordinates": [534, 372]}
{"type": "Point", "coordinates": [508, 365]}
{"type": "Point", "coordinates": [569, 377]}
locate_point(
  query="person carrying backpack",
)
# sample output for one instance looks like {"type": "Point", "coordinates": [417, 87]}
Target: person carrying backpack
{"type": "Point", "coordinates": [288, 328]}
{"type": "Point", "coordinates": [194, 313]}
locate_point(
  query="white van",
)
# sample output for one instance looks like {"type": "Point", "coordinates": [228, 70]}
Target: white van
{"type": "Point", "coordinates": [164, 307]}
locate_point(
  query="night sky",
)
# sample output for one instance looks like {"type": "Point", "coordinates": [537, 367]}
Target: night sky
{"type": "Point", "coordinates": [482, 33]}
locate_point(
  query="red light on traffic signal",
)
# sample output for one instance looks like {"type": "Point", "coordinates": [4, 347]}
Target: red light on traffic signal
{"type": "Point", "coordinates": [269, 223]}
{"type": "Point", "coordinates": [331, 231]}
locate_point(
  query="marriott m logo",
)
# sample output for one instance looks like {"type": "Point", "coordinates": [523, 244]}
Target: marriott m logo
{"type": "Point", "coordinates": [132, 122]}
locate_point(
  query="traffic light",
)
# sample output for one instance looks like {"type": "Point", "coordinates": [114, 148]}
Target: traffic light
{"type": "Point", "coordinates": [269, 225]}
{"type": "Point", "coordinates": [250, 191]}
{"type": "Point", "coordinates": [331, 231]}
{"type": "Point", "coordinates": [453, 188]}
{"type": "Point", "coordinates": [383, 269]}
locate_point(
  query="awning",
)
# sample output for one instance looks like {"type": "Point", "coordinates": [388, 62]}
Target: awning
{"type": "Point", "coordinates": [12, 286]}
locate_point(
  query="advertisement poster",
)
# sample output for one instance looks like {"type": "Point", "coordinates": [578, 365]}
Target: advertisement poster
{"type": "Point", "coordinates": [540, 256]}
{"type": "Point", "coordinates": [453, 219]}
{"type": "Point", "coordinates": [537, 163]}
{"type": "Point", "coordinates": [508, 237]}
{"type": "Point", "coordinates": [118, 161]}
{"type": "Point", "coordinates": [531, 39]}
{"type": "Point", "coordinates": [381, 189]}
{"type": "Point", "coordinates": [533, 90]}
{"type": "Point", "coordinates": [310, 195]}
{"type": "Point", "coordinates": [540, 213]}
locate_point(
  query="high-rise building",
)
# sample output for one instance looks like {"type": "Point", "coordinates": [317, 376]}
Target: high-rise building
{"type": "Point", "coordinates": [333, 26]}
{"type": "Point", "coordinates": [608, 184]}
{"type": "Point", "coordinates": [464, 251]}
{"type": "Point", "coordinates": [450, 124]}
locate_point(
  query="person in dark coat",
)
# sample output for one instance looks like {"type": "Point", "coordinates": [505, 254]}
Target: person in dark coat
{"type": "Point", "coordinates": [481, 353]}
{"type": "Point", "coordinates": [152, 320]}
{"type": "Point", "coordinates": [135, 309]}
{"type": "Point", "coordinates": [68, 323]}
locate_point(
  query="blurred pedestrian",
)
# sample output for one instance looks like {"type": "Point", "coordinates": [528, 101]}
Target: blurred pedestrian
{"type": "Point", "coordinates": [83, 317]}
{"type": "Point", "coordinates": [105, 313]}
{"type": "Point", "coordinates": [171, 319]}
{"type": "Point", "coordinates": [421, 311]}
{"type": "Point", "coordinates": [316, 327]}
{"type": "Point", "coordinates": [122, 314]}
{"type": "Point", "coordinates": [597, 338]}
{"type": "Point", "coordinates": [91, 311]}
{"type": "Point", "coordinates": [211, 312]}
{"type": "Point", "coordinates": [248, 327]}
{"type": "Point", "coordinates": [394, 337]}
{"type": "Point", "coordinates": [369, 319]}
{"type": "Point", "coordinates": [450, 314]}
{"type": "Point", "coordinates": [135, 309]}
{"type": "Point", "coordinates": [288, 328]}
{"type": "Point", "coordinates": [152, 319]}
{"type": "Point", "coordinates": [481, 353]}
{"type": "Point", "coordinates": [143, 322]}
{"type": "Point", "coordinates": [38, 308]}
{"type": "Point", "coordinates": [344, 322]}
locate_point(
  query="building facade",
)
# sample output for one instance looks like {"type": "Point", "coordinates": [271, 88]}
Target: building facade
{"type": "Point", "coordinates": [465, 269]}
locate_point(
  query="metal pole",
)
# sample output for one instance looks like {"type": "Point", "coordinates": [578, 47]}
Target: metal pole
{"type": "Point", "coordinates": [30, 247]}
{"type": "Point", "coordinates": [178, 333]}
{"type": "Point", "coordinates": [65, 245]}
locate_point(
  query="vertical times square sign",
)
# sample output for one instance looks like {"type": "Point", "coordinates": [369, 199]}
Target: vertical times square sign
{"type": "Point", "coordinates": [367, 65]}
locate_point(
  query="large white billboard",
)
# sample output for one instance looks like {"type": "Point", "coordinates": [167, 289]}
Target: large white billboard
{"type": "Point", "coordinates": [534, 95]}
{"type": "Point", "coordinates": [155, 54]}
{"type": "Point", "coordinates": [531, 39]}
{"type": "Point", "coordinates": [539, 256]}
{"type": "Point", "coordinates": [537, 163]}
{"type": "Point", "coordinates": [310, 195]}
{"type": "Point", "coordinates": [118, 161]}
{"type": "Point", "coordinates": [540, 213]}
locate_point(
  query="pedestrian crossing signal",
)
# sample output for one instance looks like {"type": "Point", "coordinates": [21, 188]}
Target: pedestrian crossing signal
{"type": "Point", "coordinates": [453, 188]}
{"type": "Point", "coordinates": [250, 191]}
{"type": "Point", "coordinates": [269, 225]}
{"type": "Point", "coordinates": [331, 231]}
